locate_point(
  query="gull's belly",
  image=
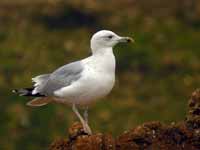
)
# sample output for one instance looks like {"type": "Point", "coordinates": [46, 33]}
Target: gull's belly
{"type": "Point", "coordinates": [89, 88]}
{"type": "Point", "coordinates": [95, 88]}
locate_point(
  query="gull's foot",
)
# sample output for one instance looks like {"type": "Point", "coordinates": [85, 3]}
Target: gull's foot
{"type": "Point", "coordinates": [87, 129]}
{"type": "Point", "coordinates": [78, 129]}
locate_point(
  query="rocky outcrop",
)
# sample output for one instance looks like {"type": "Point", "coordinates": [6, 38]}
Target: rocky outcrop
{"type": "Point", "coordinates": [184, 135]}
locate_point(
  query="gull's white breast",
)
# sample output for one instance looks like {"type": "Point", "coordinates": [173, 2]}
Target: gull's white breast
{"type": "Point", "coordinates": [96, 81]}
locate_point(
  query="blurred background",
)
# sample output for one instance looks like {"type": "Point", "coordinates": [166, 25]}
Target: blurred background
{"type": "Point", "coordinates": [155, 76]}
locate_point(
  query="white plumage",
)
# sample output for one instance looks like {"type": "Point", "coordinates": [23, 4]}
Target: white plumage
{"type": "Point", "coordinates": [96, 81]}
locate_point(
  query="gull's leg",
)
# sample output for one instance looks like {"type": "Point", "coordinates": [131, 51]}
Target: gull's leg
{"type": "Point", "coordinates": [85, 125]}
{"type": "Point", "coordinates": [86, 115]}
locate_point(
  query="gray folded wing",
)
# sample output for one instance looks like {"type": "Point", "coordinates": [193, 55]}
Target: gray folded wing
{"type": "Point", "coordinates": [62, 77]}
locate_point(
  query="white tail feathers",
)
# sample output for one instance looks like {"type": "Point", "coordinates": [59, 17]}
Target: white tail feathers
{"type": "Point", "coordinates": [40, 80]}
{"type": "Point", "coordinates": [37, 102]}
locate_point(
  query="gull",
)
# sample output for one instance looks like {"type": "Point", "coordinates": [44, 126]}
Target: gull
{"type": "Point", "coordinates": [79, 83]}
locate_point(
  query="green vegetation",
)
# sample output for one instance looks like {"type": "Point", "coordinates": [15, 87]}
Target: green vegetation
{"type": "Point", "coordinates": [155, 76]}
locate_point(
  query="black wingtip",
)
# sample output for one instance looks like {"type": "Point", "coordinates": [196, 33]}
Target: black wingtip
{"type": "Point", "coordinates": [17, 92]}
{"type": "Point", "coordinates": [14, 91]}
{"type": "Point", "coordinates": [27, 92]}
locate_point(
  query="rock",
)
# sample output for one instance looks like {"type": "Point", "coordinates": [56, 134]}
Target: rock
{"type": "Point", "coordinates": [184, 135]}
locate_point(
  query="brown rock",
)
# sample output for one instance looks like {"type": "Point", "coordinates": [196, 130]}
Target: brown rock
{"type": "Point", "coordinates": [184, 135]}
{"type": "Point", "coordinates": [60, 144]}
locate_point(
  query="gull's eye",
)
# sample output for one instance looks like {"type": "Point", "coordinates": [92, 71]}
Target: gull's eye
{"type": "Point", "coordinates": [110, 36]}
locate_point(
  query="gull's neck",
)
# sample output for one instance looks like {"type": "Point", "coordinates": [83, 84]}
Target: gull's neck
{"type": "Point", "coordinates": [103, 51]}
{"type": "Point", "coordinates": [105, 59]}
